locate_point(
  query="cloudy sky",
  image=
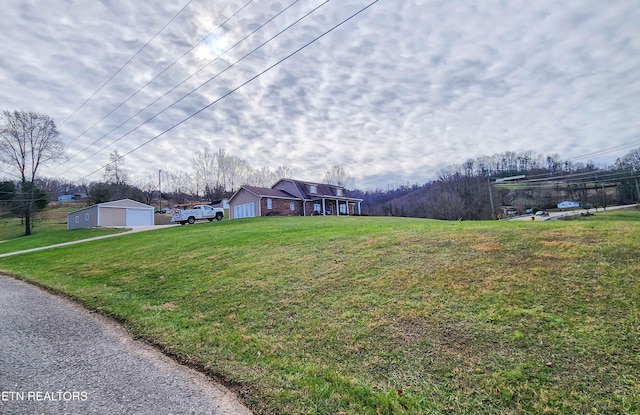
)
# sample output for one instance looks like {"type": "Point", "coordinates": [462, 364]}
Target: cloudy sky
{"type": "Point", "coordinates": [401, 90]}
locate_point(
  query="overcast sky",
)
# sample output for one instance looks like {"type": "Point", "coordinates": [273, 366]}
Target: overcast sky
{"type": "Point", "coordinates": [400, 91]}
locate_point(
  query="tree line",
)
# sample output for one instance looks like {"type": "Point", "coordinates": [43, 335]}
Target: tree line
{"type": "Point", "coordinates": [467, 191]}
{"type": "Point", "coordinates": [470, 191]}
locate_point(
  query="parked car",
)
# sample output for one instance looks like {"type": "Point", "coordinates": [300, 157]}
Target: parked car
{"type": "Point", "coordinates": [542, 213]}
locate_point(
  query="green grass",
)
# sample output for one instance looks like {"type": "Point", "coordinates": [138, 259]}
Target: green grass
{"type": "Point", "coordinates": [53, 237]}
{"type": "Point", "coordinates": [50, 228]}
{"type": "Point", "coordinates": [328, 315]}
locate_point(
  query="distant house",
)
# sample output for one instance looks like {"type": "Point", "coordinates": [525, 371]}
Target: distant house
{"type": "Point", "coordinates": [76, 196]}
{"type": "Point", "coordinates": [123, 213]}
{"type": "Point", "coordinates": [568, 204]}
{"type": "Point", "coordinates": [290, 197]}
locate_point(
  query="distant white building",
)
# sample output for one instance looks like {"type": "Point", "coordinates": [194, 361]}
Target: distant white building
{"type": "Point", "coordinates": [119, 213]}
{"type": "Point", "coordinates": [76, 196]}
{"type": "Point", "coordinates": [568, 204]}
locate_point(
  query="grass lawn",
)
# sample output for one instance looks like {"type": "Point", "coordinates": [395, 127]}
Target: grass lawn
{"type": "Point", "coordinates": [363, 315]}
{"type": "Point", "coordinates": [50, 229]}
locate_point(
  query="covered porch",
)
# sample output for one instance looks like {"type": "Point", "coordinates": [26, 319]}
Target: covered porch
{"type": "Point", "coordinates": [328, 206]}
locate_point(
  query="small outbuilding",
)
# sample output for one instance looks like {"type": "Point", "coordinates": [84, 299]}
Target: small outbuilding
{"type": "Point", "coordinates": [119, 213]}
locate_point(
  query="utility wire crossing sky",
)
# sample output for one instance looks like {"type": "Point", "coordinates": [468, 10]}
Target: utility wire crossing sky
{"type": "Point", "coordinates": [395, 94]}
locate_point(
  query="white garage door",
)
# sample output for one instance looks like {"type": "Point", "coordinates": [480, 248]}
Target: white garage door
{"type": "Point", "coordinates": [246, 210]}
{"type": "Point", "coordinates": [139, 217]}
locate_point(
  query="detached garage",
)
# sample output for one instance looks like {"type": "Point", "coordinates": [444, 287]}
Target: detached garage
{"type": "Point", "coordinates": [123, 213]}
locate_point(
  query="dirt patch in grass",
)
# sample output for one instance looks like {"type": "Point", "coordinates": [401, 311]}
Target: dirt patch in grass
{"type": "Point", "coordinates": [558, 244]}
{"type": "Point", "coordinates": [487, 244]}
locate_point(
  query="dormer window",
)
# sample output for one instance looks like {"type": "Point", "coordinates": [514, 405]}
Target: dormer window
{"type": "Point", "coordinates": [338, 192]}
{"type": "Point", "coordinates": [313, 189]}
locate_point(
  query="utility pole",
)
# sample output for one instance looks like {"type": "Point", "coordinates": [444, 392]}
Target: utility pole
{"type": "Point", "coordinates": [160, 190]}
{"type": "Point", "coordinates": [493, 212]}
{"type": "Point", "coordinates": [197, 185]}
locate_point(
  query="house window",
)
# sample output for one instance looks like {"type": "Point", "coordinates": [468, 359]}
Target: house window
{"type": "Point", "coordinates": [269, 204]}
{"type": "Point", "coordinates": [317, 207]}
{"type": "Point", "coordinates": [77, 219]}
{"type": "Point", "coordinates": [344, 209]}
{"type": "Point", "coordinates": [292, 205]}
{"type": "Point", "coordinates": [86, 217]}
{"type": "Point", "coordinates": [313, 188]}
{"type": "Point", "coordinates": [338, 192]}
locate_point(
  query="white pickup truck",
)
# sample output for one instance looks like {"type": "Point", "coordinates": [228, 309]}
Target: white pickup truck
{"type": "Point", "coordinates": [193, 213]}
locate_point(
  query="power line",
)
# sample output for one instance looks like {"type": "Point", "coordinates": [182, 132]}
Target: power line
{"type": "Point", "coordinates": [192, 91]}
{"type": "Point", "coordinates": [160, 73]}
{"type": "Point", "coordinates": [246, 82]}
{"type": "Point", "coordinates": [562, 174]}
{"type": "Point", "coordinates": [541, 178]}
{"type": "Point", "coordinates": [125, 64]}
{"type": "Point", "coordinates": [179, 84]}
{"type": "Point", "coordinates": [604, 151]}
{"type": "Point", "coordinates": [574, 179]}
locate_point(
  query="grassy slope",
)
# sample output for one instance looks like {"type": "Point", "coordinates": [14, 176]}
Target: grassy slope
{"type": "Point", "coordinates": [50, 229]}
{"type": "Point", "coordinates": [358, 315]}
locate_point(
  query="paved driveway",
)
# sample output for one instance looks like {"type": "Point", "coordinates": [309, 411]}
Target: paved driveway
{"type": "Point", "coordinates": [56, 357]}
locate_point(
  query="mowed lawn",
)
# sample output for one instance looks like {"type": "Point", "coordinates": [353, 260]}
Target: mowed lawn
{"type": "Point", "coordinates": [364, 315]}
{"type": "Point", "coordinates": [50, 228]}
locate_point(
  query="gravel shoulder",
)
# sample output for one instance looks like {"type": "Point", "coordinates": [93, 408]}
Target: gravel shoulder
{"type": "Point", "coordinates": [57, 357]}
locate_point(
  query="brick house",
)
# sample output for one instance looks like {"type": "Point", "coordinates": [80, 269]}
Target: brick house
{"type": "Point", "coordinates": [290, 197]}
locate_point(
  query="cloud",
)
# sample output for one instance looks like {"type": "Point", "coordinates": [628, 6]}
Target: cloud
{"type": "Point", "coordinates": [394, 95]}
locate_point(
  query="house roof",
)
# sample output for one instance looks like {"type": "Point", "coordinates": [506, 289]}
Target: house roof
{"type": "Point", "coordinates": [302, 190]}
{"type": "Point", "coordinates": [116, 203]}
{"type": "Point", "coordinates": [323, 190]}
{"type": "Point", "coordinates": [126, 203]}
{"type": "Point", "coordinates": [269, 192]}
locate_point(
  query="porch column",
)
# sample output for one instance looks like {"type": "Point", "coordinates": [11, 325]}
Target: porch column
{"type": "Point", "coordinates": [359, 213]}
{"type": "Point", "coordinates": [324, 209]}
{"type": "Point", "coordinates": [337, 208]}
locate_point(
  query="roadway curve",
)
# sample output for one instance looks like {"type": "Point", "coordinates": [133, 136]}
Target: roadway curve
{"type": "Point", "coordinates": [56, 357]}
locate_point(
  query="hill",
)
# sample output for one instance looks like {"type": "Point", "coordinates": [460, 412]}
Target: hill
{"type": "Point", "coordinates": [355, 315]}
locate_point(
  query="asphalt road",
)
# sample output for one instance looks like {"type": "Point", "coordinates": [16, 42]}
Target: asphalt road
{"type": "Point", "coordinates": [58, 358]}
{"type": "Point", "coordinates": [557, 215]}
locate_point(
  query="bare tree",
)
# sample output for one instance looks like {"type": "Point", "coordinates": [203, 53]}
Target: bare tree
{"type": "Point", "coordinates": [179, 184]}
{"type": "Point", "coordinates": [631, 161]}
{"type": "Point", "coordinates": [262, 177]}
{"type": "Point", "coordinates": [85, 185]}
{"type": "Point", "coordinates": [114, 172]}
{"type": "Point", "coordinates": [204, 169]}
{"type": "Point", "coordinates": [148, 185]}
{"type": "Point", "coordinates": [218, 170]}
{"type": "Point", "coordinates": [284, 172]}
{"type": "Point", "coordinates": [28, 140]}
{"type": "Point", "coordinates": [234, 171]}
{"type": "Point", "coordinates": [337, 175]}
